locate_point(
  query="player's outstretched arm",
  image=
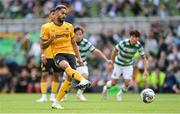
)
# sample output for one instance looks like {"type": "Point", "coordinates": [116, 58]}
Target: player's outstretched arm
{"type": "Point", "coordinates": [100, 54]}
{"type": "Point", "coordinates": [75, 48]}
{"type": "Point", "coordinates": [114, 53]}
{"type": "Point", "coordinates": [145, 64]}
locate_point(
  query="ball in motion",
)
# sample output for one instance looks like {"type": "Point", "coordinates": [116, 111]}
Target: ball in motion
{"type": "Point", "coordinates": [147, 95]}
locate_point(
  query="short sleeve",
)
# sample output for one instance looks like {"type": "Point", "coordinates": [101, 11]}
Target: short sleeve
{"type": "Point", "coordinates": [91, 47]}
{"type": "Point", "coordinates": [44, 35]}
{"type": "Point", "coordinates": [141, 50]}
{"type": "Point", "coordinates": [118, 46]}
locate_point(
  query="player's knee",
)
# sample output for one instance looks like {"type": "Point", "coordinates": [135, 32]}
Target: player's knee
{"type": "Point", "coordinates": [85, 75]}
{"type": "Point", "coordinates": [114, 82]}
{"type": "Point", "coordinates": [44, 76]}
{"type": "Point", "coordinates": [126, 82]}
{"type": "Point", "coordinates": [56, 77]}
{"type": "Point", "coordinates": [68, 78]}
{"type": "Point", "coordinates": [64, 64]}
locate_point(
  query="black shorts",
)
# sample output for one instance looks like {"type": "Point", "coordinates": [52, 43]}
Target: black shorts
{"type": "Point", "coordinates": [49, 66]}
{"type": "Point", "coordinates": [70, 58]}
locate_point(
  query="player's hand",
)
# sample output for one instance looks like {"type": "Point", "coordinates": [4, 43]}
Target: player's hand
{"type": "Point", "coordinates": [43, 59]}
{"type": "Point", "coordinates": [110, 67]}
{"type": "Point", "coordinates": [145, 73]}
{"type": "Point", "coordinates": [110, 62]}
{"type": "Point", "coordinates": [52, 37]}
{"type": "Point", "coordinates": [80, 62]}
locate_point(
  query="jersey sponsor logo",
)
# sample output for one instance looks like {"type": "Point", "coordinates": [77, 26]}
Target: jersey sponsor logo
{"type": "Point", "coordinates": [62, 35]}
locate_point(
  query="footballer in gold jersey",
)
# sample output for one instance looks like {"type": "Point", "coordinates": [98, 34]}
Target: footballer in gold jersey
{"type": "Point", "coordinates": [48, 66]}
{"type": "Point", "coordinates": [60, 35]}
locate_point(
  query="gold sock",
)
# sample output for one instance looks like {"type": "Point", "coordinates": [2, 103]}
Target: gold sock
{"type": "Point", "coordinates": [74, 74]}
{"type": "Point", "coordinates": [44, 87]}
{"type": "Point", "coordinates": [63, 90]}
{"type": "Point", "coordinates": [54, 87]}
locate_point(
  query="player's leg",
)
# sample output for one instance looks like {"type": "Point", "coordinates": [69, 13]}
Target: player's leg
{"type": "Point", "coordinates": [43, 86]}
{"type": "Point", "coordinates": [61, 61]}
{"type": "Point", "coordinates": [108, 85]}
{"type": "Point", "coordinates": [115, 76]}
{"type": "Point", "coordinates": [84, 72]}
{"type": "Point", "coordinates": [127, 77]}
{"type": "Point", "coordinates": [67, 62]}
{"type": "Point", "coordinates": [54, 85]}
{"type": "Point", "coordinates": [123, 89]}
{"type": "Point", "coordinates": [55, 79]}
{"type": "Point", "coordinates": [46, 69]}
{"type": "Point", "coordinates": [64, 78]}
{"type": "Point", "coordinates": [62, 92]}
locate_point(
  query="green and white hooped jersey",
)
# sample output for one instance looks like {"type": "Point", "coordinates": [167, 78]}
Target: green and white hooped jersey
{"type": "Point", "coordinates": [126, 52]}
{"type": "Point", "coordinates": [85, 48]}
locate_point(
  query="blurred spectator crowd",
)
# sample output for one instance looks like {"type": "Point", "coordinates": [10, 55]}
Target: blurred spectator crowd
{"type": "Point", "coordinates": [19, 70]}
{"type": "Point", "coordinates": [89, 8]}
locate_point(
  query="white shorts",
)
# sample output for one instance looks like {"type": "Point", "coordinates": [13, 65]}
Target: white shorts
{"type": "Point", "coordinates": [125, 71]}
{"type": "Point", "coordinates": [82, 69]}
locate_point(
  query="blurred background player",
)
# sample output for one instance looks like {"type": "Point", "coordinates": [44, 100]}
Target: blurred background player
{"type": "Point", "coordinates": [123, 59]}
{"type": "Point", "coordinates": [48, 66]}
{"type": "Point", "coordinates": [85, 49]}
{"type": "Point", "coordinates": [60, 35]}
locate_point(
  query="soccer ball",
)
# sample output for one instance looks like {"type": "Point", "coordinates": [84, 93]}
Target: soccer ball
{"type": "Point", "coordinates": [147, 95]}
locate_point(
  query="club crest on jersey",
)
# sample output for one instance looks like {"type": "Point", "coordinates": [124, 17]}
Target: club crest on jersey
{"type": "Point", "coordinates": [67, 28]}
{"type": "Point", "coordinates": [126, 50]}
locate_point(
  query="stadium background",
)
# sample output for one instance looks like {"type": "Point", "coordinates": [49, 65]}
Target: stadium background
{"type": "Point", "coordinates": [107, 22]}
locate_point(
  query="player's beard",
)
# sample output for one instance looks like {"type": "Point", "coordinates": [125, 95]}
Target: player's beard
{"type": "Point", "coordinates": [60, 20]}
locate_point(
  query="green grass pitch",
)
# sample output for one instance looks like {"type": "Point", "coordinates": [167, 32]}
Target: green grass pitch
{"type": "Point", "coordinates": [25, 103]}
